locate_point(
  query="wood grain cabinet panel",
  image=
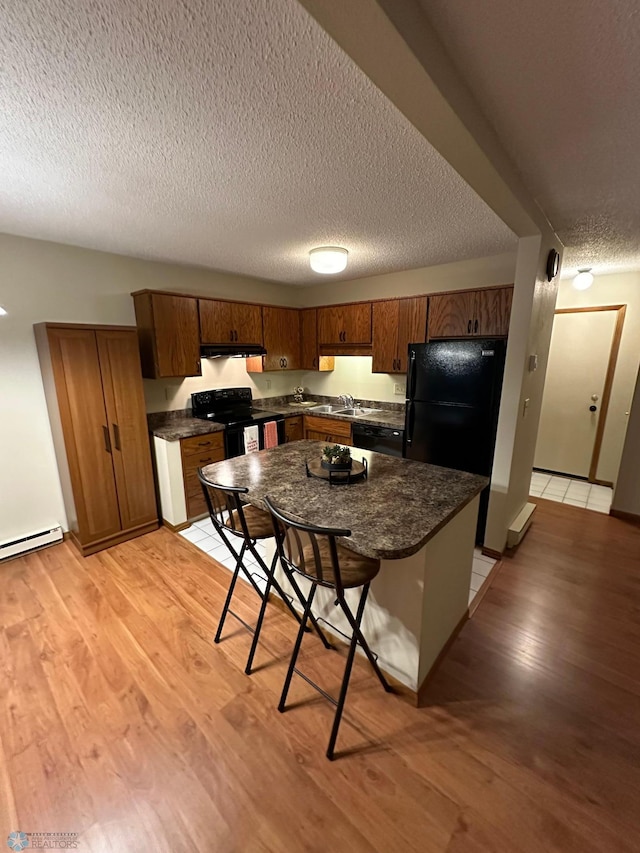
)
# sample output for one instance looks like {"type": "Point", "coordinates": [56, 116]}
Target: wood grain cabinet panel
{"type": "Point", "coordinates": [493, 312]}
{"type": "Point", "coordinates": [331, 430]}
{"type": "Point", "coordinates": [293, 430]}
{"type": "Point", "coordinates": [197, 452]}
{"type": "Point", "coordinates": [396, 324]}
{"type": "Point", "coordinates": [224, 322]}
{"type": "Point", "coordinates": [168, 334]}
{"type": "Point", "coordinates": [345, 324]}
{"type": "Point", "coordinates": [281, 327]}
{"type": "Point", "coordinates": [470, 313]}
{"type": "Point", "coordinates": [310, 358]}
{"type": "Point", "coordinates": [93, 387]}
{"type": "Point", "coordinates": [451, 315]}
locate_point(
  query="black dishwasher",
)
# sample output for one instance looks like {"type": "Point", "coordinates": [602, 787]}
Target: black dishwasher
{"type": "Point", "coordinates": [381, 439]}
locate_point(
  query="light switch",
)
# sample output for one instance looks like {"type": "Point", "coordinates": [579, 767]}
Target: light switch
{"type": "Point", "coordinates": [398, 388]}
{"type": "Point", "coordinates": [533, 363]}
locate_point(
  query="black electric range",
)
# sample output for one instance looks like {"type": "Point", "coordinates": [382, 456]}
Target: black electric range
{"type": "Point", "coordinates": [233, 407]}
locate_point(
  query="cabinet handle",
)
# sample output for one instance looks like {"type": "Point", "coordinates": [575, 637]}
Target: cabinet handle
{"type": "Point", "coordinates": [204, 443]}
{"type": "Point", "coordinates": [116, 436]}
{"type": "Point", "coordinates": [206, 461]}
{"type": "Point", "coordinates": [469, 328]}
{"type": "Point", "coordinates": [107, 439]}
{"type": "Point", "coordinates": [475, 327]}
{"type": "Point", "coordinates": [197, 365]}
{"type": "Point", "coordinates": [231, 335]}
{"type": "Point", "coordinates": [285, 361]}
{"type": "Point", "coordinates": [235, 334]}
{"type": "Point", "coordinates": [315, 362]}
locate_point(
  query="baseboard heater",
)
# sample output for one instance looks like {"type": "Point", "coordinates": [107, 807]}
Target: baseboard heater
{"type": "Point", "coordinates": [31, 542]}
{"type": "Point", "coordinates": [520, 525]}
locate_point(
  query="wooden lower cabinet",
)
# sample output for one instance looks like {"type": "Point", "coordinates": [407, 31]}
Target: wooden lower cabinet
{"type": "Point", "coordinates": [197, 452]}
{"type": "Point", "coordinates": [93, 387]}
{"type": "Point", "coordinates": [331, 430]}
{"type": "Point", "coordinates": [293, 429]}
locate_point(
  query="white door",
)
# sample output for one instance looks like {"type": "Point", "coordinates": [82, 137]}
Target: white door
{"type": "Point", "coordinates": [578, 360]}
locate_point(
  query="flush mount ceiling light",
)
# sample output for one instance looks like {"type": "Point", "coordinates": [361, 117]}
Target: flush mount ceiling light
{"type": "Point", "coordinates": [583, 280]}
{"type": "Point", "coordinates": [2, 311]}
{"type": "Point", "coordinates": [328, 259]}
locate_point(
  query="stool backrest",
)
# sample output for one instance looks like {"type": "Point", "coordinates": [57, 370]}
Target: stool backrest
{"type": "Point", "coordinates": [224, 506]}
{"type": "Point", "coordinates": [306, 548]}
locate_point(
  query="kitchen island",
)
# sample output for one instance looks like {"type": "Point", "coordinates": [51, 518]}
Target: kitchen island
{"type": "Point", "coordinates": [418, 519]}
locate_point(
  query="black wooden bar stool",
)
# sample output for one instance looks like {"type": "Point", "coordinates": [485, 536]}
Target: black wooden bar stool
{"type": "Point", "coordinates": [235, 521]}
{"type": "Point", "coordinates": [317, 556]}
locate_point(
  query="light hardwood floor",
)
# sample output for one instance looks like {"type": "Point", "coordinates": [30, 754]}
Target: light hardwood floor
{"type": "Point", "coordinates": [120, 720]}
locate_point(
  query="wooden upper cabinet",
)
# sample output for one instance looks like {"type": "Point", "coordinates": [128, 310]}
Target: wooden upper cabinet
{"type": "Point", "coordinates": [345, 324]}
{"type": "Point", "coordinates": [229, 322]}
{"type": "Point", "coordinates": [396, 324]}
{"type": "Point", "coordinates": [281, 338]}
{"type": "Point", "coordinates": [493, 311]}
{"type": "Point", "coordinates": [168, 334]}
{"type": "Point", "coordinates": [451, 315]}
{"type": "Point", "coordinates": [310, 358]}
{"type": "Point", "coordinates": [470, 313]}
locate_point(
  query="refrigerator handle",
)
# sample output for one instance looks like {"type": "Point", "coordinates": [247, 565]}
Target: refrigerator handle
{"type": "Point", "coordinates": [410, 422]}
{"type": "Point", "coordinates": [411, 381]}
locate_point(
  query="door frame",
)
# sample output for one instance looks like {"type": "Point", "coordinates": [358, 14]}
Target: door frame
{"type": "Point", "coordinates": [608, 381]}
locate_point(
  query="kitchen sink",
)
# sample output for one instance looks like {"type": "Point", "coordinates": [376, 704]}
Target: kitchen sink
{"type": "Point", "coordinates": [325, 409]}
{"type": "Point", "coordinates": [357, 412]}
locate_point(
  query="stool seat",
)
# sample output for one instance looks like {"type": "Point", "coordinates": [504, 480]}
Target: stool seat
{"type": "Point", "coordinates": [355, 569]}
{"type": "Point", "coordinates": [259, 523]}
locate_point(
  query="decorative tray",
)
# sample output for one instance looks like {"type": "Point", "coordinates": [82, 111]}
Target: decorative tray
{"type": "Point", "coordinates": [358, 471]}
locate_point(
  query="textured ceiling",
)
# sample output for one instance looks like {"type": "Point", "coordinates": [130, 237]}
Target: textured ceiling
{"type": "Point", "coordinates": [233, 135]}
{"type": "Point", "coordinates": [560, 82]}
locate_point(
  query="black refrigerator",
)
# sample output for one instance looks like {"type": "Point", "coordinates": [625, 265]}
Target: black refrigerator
{"type": "Point", "coordinates": [453, 399]}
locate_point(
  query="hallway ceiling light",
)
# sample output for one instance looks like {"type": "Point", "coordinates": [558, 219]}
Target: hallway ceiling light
{"type": "Point", "coordinates": [583, 280]}
{"type": "Point", "coordinates": [2, 311]}
{"type": "Point", "coordinates": [328, 259]}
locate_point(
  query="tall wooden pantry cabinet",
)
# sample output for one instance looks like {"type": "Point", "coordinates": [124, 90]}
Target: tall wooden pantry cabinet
{"type": "Point", "coordinates": [93, 386]}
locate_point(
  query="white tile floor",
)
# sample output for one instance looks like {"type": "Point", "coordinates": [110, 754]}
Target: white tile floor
{"type": "Point", "coordinates": [573, 492]}
{"type": "Point", "coordinates": [202, 534]}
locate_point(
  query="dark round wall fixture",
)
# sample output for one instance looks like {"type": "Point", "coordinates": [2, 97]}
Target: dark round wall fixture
{"type": "Point", "coordinates": [553, 264]}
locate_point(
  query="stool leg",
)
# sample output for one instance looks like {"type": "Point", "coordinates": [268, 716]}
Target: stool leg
{"type": "Point", "coordinates": [258, 627]}
{"type": "Point", "coordinates": [227, 602]}
{"type": "Point", "coordinates": [348, 667]}
{"type": "Point", "coordinates": [301, 599]}
{"type": "Point", "coordinates": [296, 650]}
{"type": "Point", "coordinates": [365, 646]}
{"type": "Point", "coordinates": [270, 574]}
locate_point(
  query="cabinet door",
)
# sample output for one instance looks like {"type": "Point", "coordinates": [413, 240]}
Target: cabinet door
{"type": "Point", "coordinates": [177, 335]}
{"type": "Point", "coordinates": [308, 339]}
{"type": "Point", "coordinates": [385, 336]}
{"type": "Point", "coordinates": [493, 310]}
{"type": "Point", "coordinates": [281, 328]}
{"type": "Point", "coordinates": [247, 323]}
{"type": "Point", "coordinates": [345, 324]}
{"type": "Point", "coordinates": [127, 424]}
{"type": "Point", "coordinates": [76, 369]}
{"type": "Point", "coordinates": [293, 429]}
{"type": "Point", "coordinates": [216, 321]}
{"type": "Point", "coordinates": [451, 315]}
{"type": "Point", "coordinates": [412, 327]}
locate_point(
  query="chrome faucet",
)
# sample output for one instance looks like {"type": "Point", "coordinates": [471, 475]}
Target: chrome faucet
{"type": "Point", "coordinates": [347, 400]}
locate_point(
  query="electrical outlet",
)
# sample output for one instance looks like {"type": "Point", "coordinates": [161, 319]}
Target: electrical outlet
{"type": "Point", "coordinates": [398, 388]}
{"type": "Point", "coordinates": [167, 393]}
{"type": "Point", "coordinates": [268, 383]}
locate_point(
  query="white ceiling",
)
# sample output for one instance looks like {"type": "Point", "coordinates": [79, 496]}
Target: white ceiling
{"type": "Point", "coordinates": [560, 82]}
{"type": "Point", "coordinates": [234, 135]}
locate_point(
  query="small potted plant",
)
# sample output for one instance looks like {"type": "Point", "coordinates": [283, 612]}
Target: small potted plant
{"type": "Point", "coordinates": [336, 457]}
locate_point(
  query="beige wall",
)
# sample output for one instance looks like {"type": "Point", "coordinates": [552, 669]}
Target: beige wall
{"type": "Point", "coordinates": [49, 282]}
{"type": "Point", "coordinates": [626, 497]}
{"type": "Point", "coordinates": [463, 275]}
{"type": "Point", "coordinates": [617, 289]}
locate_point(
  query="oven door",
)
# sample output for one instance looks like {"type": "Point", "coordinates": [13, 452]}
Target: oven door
{"type": "Point", "coordinates": [234, 437]}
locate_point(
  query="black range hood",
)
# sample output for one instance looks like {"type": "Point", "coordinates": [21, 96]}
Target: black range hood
{"type": "Point", "coordinates": [231, 350]}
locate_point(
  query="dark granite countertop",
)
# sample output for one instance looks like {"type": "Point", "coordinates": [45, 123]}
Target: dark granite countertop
{"type": "Point", "coordinates": [391, 515]}
{"type": "Point", "coordinates": [179, 423]}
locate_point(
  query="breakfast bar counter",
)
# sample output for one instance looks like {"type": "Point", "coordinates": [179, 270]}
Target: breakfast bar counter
{"type": "Point", "coordinates": [418, 519]}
